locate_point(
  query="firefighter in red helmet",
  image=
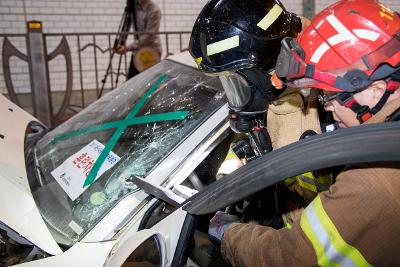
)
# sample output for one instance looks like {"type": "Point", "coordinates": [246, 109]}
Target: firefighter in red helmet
{"type": "Point", "coordinates": [351, 52]}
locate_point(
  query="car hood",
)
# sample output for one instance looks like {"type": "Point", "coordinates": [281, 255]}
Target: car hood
{"type": "Point", "coordinates": [18, 209]}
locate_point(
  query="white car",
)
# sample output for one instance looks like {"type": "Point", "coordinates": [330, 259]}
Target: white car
{"type": "Point", "coordinates": [160, 126]}
{"type": "Point", "coordinates": [116, 185]}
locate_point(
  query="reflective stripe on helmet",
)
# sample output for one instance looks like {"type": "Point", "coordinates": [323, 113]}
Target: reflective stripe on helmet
{"type": "Point", "coordinates": [271, 16]}
{"type": "Point", "coordinates": [223, 45]}
{"type": "Point", "coordinates": [329, 246]}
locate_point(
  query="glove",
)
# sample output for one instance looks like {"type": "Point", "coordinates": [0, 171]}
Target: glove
{"type": "Point", "coordinates": [218, 224]}
{"type": "Point", "coordinates": [121, 50]}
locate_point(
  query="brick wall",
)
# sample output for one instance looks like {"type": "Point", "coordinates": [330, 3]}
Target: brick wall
{"type": "Point", "coordinates": [73, 16]}
{"type": "Point", "coordinates": [61, 16]}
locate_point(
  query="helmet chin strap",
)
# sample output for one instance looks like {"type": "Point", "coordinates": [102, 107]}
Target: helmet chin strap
{"type": "Point", "coordinates": [363, 112]}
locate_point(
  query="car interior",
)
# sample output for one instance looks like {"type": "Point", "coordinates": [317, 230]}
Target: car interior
{"type": "Point", "coordinates": [201, 250]}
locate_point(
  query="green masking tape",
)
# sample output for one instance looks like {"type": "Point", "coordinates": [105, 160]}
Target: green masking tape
{"type": "Point", "coordinates": [169, 116]}
{"type": "Point", "coordinates": [122, 125]}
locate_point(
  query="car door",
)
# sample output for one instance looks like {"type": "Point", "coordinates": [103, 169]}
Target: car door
{"type": "Point", "coordinates": [149, 247]}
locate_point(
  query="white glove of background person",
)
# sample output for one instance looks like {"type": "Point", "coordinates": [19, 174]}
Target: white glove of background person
{"type": "Point", "coordinates": [218, 224]}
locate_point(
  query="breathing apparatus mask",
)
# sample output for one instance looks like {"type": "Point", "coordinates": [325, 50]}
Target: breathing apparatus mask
{"type": "Point", "coordinates": [249, 92]}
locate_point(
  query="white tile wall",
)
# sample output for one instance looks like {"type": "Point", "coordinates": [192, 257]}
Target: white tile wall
{"type": "Point", "coordinates": [64, 16]}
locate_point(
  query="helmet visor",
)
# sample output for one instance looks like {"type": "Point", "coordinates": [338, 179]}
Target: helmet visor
{"type": "Point", "coordinates": [237, 90]}
{"type": "Point", "coordinates": [290, 63]}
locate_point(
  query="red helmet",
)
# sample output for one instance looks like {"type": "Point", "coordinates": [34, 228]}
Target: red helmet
{"type": "Point", "coordinates": [348, 45]}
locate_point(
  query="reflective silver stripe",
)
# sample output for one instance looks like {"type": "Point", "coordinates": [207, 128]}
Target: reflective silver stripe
{"type": "Point", "coordinates": [330, 251]}
{"type": "Point", "coordinates": [308, 180]}
{"type": "Point", "coordinates": [320, 186]}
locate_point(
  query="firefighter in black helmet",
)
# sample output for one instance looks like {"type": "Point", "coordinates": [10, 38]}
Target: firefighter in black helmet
{"type": "Point", "coordinates": [241, 34]}
{"type": "Point", "coordinates": [240, 40]}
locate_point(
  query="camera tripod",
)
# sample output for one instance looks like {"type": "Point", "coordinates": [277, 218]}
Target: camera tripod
{"type": "Point", "coordinates": [128, 20]}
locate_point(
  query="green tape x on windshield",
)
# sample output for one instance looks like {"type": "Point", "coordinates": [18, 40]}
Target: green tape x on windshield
{"type": "Point", "coordinates": [120, 126]}
{"type": "Point", "coordinates": [177, 115]}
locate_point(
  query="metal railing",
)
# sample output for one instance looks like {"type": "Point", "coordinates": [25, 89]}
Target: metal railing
{"type": "Point", "coordinates": [72, 75]}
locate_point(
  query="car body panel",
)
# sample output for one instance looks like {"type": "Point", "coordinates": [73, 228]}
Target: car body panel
{"type": "Point", "coordinates": [80, 255]}
{"type": "Point", "coordinates": [168, 231]}
{"type": "Point", "coordinates": [184, 58]}
{"type": "Point", "coordinates": [18, 209]}
{"type": "Point", "coordinates": [127, 208]}
{"type": "Point", "coordinates": [122, 251]}
{"type": "Point", "coordinates": [114, 252]}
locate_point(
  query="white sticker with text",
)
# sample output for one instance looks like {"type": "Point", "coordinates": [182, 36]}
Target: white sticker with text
{"type": "Point", "coordinates": [72, 173]}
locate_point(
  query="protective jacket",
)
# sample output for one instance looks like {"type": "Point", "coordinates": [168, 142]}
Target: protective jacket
{"type": "Point", "coordinates": [288, 118]}
{"type": "Point", "coordinates": [291, 115]}
{"type": "Point", "coordinates": [355, 223]}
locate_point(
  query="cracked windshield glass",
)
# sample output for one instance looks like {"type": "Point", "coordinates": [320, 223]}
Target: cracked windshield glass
{"type": "Point", "coordinates": [86, 163]}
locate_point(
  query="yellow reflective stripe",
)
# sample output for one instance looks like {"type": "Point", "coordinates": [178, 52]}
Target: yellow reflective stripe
{"type": "Point", "coordinates": [329, 246]}
{"type": "Point", "coordinates": [290, 180]}
{"type": "Point", "coordinates": [309, 182]}
{"type": "Point", "coordinates": [300, 182]}
{"type": "Point", "coordinates": [309, 175]}
{"type": "Point", "coordinates": [231, 155]}
{"type": "Point", "coordinates": [318, 248]}
{"type": "Point", "coordinates": [335, 236]}
{"type": "Point", "coordinates": [270, 18]}
{"type": "Point", "coordinates": [322, 183]}
{"type": "Point", "coordinates": [306, 185]}
{"type": "Point", "coordinates": [223, 45]}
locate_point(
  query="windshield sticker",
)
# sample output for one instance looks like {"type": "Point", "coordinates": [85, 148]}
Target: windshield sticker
{"type": "Point", "coordinates": [72, 173]}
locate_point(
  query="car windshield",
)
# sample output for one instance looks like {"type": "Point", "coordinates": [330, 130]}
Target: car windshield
{"type": "Point", "coordinates": [86, 163]}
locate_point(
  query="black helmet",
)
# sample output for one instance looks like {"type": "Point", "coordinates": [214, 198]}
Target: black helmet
{"type": "Point", "coordinates": [240, 34]}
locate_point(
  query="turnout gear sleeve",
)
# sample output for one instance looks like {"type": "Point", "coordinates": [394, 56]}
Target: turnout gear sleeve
{"type": "Point", "coordinates": [355, 223]}
{"type": "Point", "coordinates": [287, 119]}
{"type": "Point", "coordinates": [291, 115]}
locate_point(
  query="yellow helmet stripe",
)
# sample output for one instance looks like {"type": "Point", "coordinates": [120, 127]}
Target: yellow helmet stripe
{"type": "Point", "coordinates": [223, 45]}
{"type": "Point", "coordinates": [270, 18]}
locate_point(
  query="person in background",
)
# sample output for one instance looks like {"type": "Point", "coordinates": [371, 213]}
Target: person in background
{"type": "Point", "coordinates": [147, 18]}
